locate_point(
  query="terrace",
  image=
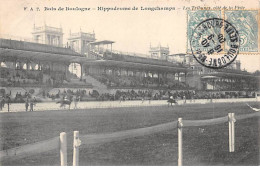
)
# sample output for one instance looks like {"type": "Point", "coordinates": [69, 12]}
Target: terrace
{"type": "Point", "coordinates": [35, 47]}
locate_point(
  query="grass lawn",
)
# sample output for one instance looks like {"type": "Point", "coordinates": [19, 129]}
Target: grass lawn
{"type": "Point", "coordinates": [199, 148]}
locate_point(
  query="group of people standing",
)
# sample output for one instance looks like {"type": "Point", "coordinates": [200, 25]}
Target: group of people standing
{"type": "Point", "coordinates": [68, 99]}
{"type": "Point", "coordinates": [31, 103]}
{"type": "Point", "coordinates": [5, 100]}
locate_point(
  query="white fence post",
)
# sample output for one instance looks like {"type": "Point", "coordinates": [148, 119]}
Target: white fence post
{"type": "Point", "coordinates": [231, 124]}
{"type": "Point", "coordinates": [180, 125]}
{"type": "Point", "coordinates": [63, 149]}
{"type": "Point", "coordinates": [76, 144]}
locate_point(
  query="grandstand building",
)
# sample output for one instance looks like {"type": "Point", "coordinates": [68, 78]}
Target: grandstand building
{"type": "Point", "coordinates": [47, 66]}
{"type": "Point", "coordinates": [48, 35]}
{"type": "Point", "coordinates": [159, 52]}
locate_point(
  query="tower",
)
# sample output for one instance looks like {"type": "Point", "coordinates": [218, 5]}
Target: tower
{"type": "Point", "coordinates": [238, 65]}
{"type": "Point", "coordinates": [80, 41]}
{"type": "Point", "coordinates": [48, 35]}
{"type": "Point", "coordinates": [235, 65]}
{"type": "Point", "coordinates": [159, 52]}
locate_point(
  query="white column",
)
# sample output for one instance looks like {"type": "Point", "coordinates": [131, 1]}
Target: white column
{"type": "Point", "coordinates": [231, 123]}
{"type": "Point", "coordinates": [63, 149]}
{"type": "Point", "coordinates": [76, 144]}
{"type": "Point", "coordinates": [180, 125]}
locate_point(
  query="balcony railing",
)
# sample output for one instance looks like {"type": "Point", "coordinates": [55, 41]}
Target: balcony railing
{"type": "Point", "coordinates": [159, 48]}
{"type": "Point", "coordinates": [131, 53]}
{"type": "Point", "coordinates": [84, 35]}
{"type": "Point", "coordinates": [24, 45]}
{"type": "Point", "coordinates": [47, 28]}
{"type": "Point", "coordinates": [138, 59]}
{"type": "Point", "coordinates": [26, 39]}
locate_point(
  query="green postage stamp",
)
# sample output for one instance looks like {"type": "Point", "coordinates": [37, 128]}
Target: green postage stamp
{"type": "Point", "coordinates": [244, 21]}
{"type": "Point", "coordinates": [246, 24]}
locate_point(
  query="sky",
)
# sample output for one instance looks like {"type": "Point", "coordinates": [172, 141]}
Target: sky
{"type": "Point", "coordinates": [133, 31]}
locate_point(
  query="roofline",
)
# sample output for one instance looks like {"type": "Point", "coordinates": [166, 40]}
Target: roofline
{"type": "Point", "coordinates": [186, 69]}
{"type": "Point", "coordinates": [45, 45]}
{"type": "Point", "coordinates": [100, 42]}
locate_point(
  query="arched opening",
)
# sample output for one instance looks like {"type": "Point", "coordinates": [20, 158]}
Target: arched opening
{"type": "Point", "coordinates": [75, 69]}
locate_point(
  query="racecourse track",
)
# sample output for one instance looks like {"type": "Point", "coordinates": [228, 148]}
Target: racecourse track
{"type": "Point", "coordinates": [20, 107]}
{"type": "Point", "coordinates": [202, 145]}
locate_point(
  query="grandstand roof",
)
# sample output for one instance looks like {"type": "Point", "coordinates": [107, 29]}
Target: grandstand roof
{"type": "Point", "coordinates": [11, 49]}
{"type": "Point", "coordinates": [104, 42]}
{"type": "Point", "coordinates": [143, 60]}
{"type": "Point", "coordinates": [209, 77]}
{"type": "Point", "coordinates": [11, 54]}
{"type": "Point", "coordinates": [36, 47]}
{"type": "Point", "coordinates": [231, 73]}
{"type": "Point", "coordinates": [139, 66]}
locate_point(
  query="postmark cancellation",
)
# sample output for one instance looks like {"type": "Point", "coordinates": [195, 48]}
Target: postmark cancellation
{"type": "Point", "coordinates": [208, 40]}
{"type": "Point", "coordinates": [246, 23]}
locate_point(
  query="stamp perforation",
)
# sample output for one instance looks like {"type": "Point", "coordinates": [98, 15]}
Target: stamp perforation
{"type": "Point", "coordinates": [223, 16]}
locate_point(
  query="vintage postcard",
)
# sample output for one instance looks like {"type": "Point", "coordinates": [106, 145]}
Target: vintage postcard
{"type": "Point", "coordinates": [129, 83]}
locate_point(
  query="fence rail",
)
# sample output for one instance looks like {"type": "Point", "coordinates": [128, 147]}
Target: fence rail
{"type": "Point", "coordinates": [39, 147]}
{"type": "Point", "coordinates": [246, 116]}
{"type": "Point", "coordinates": [89, 139]}
{"type": "Point", "coordinates": [109, 137]}
{"type": "Point", "coordinates": [116, 136]}
{"type": "Point", "coordinates": [30, 149]}
{"type": "Point", "coordinates": [207, 122]}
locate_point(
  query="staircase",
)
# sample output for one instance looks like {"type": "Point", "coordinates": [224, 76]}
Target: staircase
{"type": "Point", "coordinates": [97, 85]}
{"type": "Point", "coordinates": [76, 81]}
{"type": "Point", "coordinates": [194, 81]}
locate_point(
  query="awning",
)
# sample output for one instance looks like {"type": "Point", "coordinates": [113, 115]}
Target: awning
{"type": "Point", "coordinates": [103, 42]}
{"type": "Point", "coordinates": [36, 47]}
{"type": "Point", "coordinates": [210, 77]}
{"type": "Point", "coordinates": [12, 54]}
{"type": "Point", "coordinates": [228, 74]}
{"type": "Point", "coordinates": [139, 66]}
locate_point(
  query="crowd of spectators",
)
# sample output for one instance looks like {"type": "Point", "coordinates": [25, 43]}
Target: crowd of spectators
{"type": "Point", "coordinates": [21, 77]}
{"type": "Point", "coordinates": [186, 94]}
{"type": "Point", "coordinates": [165, 94]}
{"type": "Point", "coordinates": [61, 94]}
{"type": "Point", "coordinates": [18, 98]}
{"type": "Point", "coordinates": [126, 95]}
{"type": "Point", "coordinates": [132, 94]}
{"type": "Point", "coordinates": [229, 86]}
{"type": "Point", "coordinates": [117, 81]}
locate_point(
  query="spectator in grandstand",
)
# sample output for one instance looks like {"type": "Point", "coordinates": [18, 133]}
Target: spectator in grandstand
{"type": "Point", "coordinates": [1, 104]}
{"type": "Point", "coordinates": [8, 103]}
{"type": "Point", "coordinates": [76, 99]}
{"type": "Point", "coordinates": [26, 104]}
{"type": "Point", "coordinates": [32, 103]}
{"type": "Point", "coordinates": [3, 101]}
